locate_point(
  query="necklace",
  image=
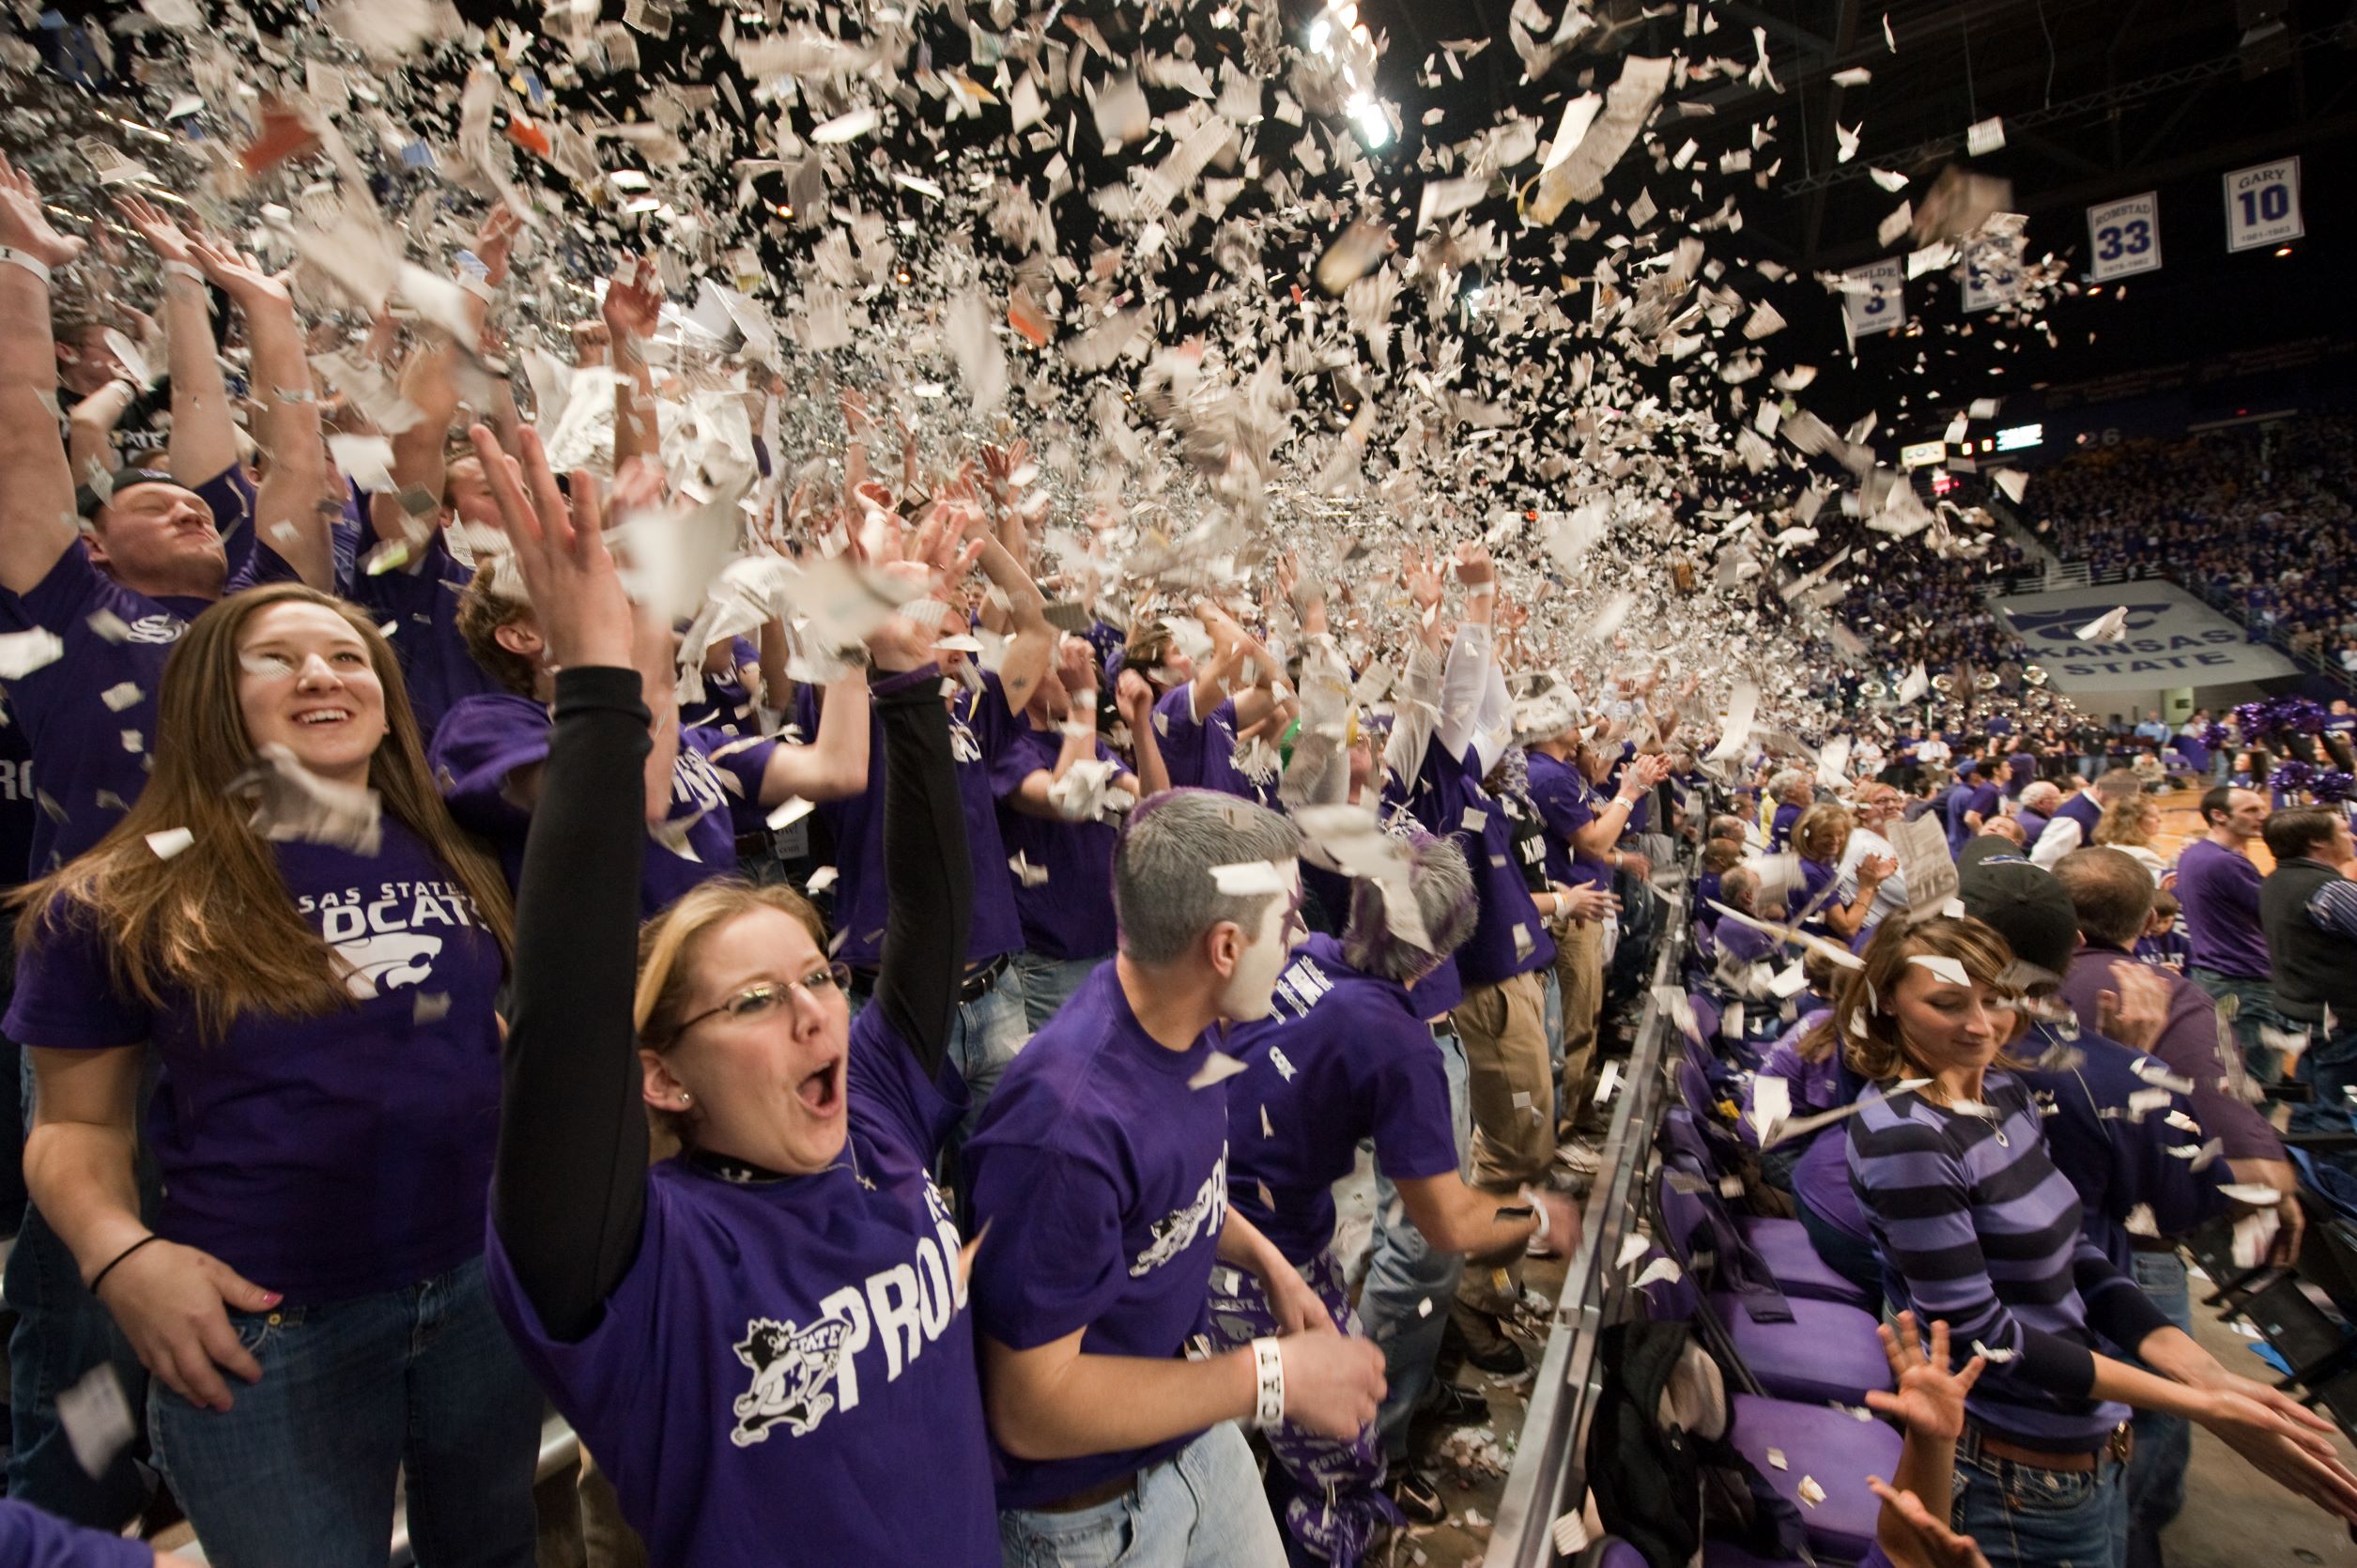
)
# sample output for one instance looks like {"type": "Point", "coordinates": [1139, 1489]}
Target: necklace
{"type": "Point", "coordinates": [744, 1173]}
{"type": "Point", "coordinates": [1981, 1108]}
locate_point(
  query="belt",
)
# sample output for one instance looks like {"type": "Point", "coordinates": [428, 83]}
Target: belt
{"type": "Point", "coordinates": [978, 979]}
{"type": "Point", "coordinates": [1977, 1443]}
{"type": "Point", "coordinates": [1090, 1496]}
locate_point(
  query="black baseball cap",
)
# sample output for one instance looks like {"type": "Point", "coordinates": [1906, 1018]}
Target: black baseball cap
{"type": "Point", "coordinates": [2026, 905]}
{"type": "Point", "coordinates": [87, 498]}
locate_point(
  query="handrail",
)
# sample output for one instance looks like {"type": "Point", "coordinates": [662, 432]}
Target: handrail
{"type": "Point", "coordinates": [1550, 1477]}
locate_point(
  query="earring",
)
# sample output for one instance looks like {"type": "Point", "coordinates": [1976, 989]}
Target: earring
{"type": "Point", "coordinates": [685, 1099]}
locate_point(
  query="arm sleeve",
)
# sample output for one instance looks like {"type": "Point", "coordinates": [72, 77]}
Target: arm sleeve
{"type": "Point", "coordinates": [1465, 689]}
{"type": "Point", "coordinates": [928, 875]}
{"type": "Point", "coordinates": [1919, 1199]}
{"type": "Point", "coordinates": [1415, 713]}
{"type": "Point", "coordinates": [2334, 908]}
{"type": "Point", "coordinates": [2116, 1308]}
{"type": "Point", "coordinates": [569, 1182]}
{"type": "Point", "coordinates": [2061, 838]}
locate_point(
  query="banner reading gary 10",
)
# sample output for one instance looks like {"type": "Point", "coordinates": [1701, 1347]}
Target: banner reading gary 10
{"type": "Point", "coordinates": [2171, 640]}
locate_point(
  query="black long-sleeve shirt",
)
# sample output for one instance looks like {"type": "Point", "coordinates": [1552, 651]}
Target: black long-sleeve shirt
{"type": "Point", "coordinates": [569, 1184]}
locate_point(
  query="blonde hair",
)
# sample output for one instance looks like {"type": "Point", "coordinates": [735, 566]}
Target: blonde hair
{"type": "Point", "coordinates": [1863, 1024]}
{"type": "Point", "coordinates": [1824, 819]}
{"type": "Point", "coordinates": [668, 949]}
{"type": "Point", "coordinates": [2124, 822]}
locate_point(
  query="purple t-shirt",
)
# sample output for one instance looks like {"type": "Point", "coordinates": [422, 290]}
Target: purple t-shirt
{"type": "Point", "coordinates": [18, 811]}
{"type": "Point", "coordinates": [727, 705]}
{"type": "Point", "coordinates": [1103, 1178]}
{"type": "Point", "coordinates": [1780, 828]}
{"type": "Point", "coordinates": [1744, 943]}
{"type": "Point", "coordinates": [1344, 1057]}
{"type": "Point", "coordinates": [94, 755]}
{"type": "Point", "coordinates": [1566, 803]}
{"type": "Point", "coordinates": [420, 602]}
{"type": "Point", "coordinates": [325, 1158]}
{"type": "Point", "coordinates": [1815, 877]}
{"type": "Point", "coordinates": [2219, 890]}
{"type": "Point", "coordinates": [807, 1344]}
{"type": "Point", "coordinates": [32, 1539]}
{"type": "Point", "coordinates": [1064, 892]}
{"type": "Point", "coordinates": [979, 729]}
{"type": "Point", "coordinates": [484, 741]}
{"type": "Point", "coordinates": [1204, 755]}
{"type": "Point", "coordinates": [1509, 938]}
{"type": "Point", "coordinates": [2191, 1043]}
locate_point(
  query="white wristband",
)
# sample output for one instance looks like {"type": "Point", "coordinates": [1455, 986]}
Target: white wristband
{"type": "Point", "coordinates": [481, 288]}
{"type": "Point", "coordinates": [182, 270]}
{"type": "Point", "coordinates": [1545, 1225]}
{"type": "Point", "coordinates": [1268, 1362]}
{"type": "Point", "coordinates": [25, 259]}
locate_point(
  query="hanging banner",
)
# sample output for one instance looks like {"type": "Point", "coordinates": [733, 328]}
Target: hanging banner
{"type": "Point", "coordinates": [2124, 238]}
{"type": "Point", "coordinates": [1989, 281]}
{"type": "Point", "coordinates": [2263, 204]}
{"type": "Point", "coordinates": [1874, 299]}
{"type": "Point", "coordinates": [2168, 638]}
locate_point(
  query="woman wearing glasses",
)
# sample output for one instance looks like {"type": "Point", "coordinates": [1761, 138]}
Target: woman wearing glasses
{"type": "Point", "coordinates": [763, 1339]}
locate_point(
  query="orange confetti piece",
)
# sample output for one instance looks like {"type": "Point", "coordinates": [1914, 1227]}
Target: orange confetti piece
{"type": "Point", "coordinates": [529, 135]}
{"type": "Point", "coordinates": [1025, 317]}
{"type": "Point", "coordinates": [283, 136]}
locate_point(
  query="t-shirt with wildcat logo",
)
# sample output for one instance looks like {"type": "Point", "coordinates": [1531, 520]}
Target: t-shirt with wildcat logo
{"type": "Point", "coordinates": [1100, 1173]}
{"type": "Point", "coordinates": [806, 1343]}
{"type": "Point", "coordinates": [328, 1157]}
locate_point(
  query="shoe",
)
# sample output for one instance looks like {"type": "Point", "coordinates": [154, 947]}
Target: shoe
{"type": "Point", "coordinates": [1417, 1495]}
{"type": "Point", "coordinates": [1455, 1404]}
{"type": "Point", "coordinates": [1579, 1159]}
{"type": "Point", "coordinates": [1494, 1353]}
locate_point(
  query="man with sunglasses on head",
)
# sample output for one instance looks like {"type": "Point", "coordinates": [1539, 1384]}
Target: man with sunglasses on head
{"type": "Point", "coordinates": [1100, 1194]}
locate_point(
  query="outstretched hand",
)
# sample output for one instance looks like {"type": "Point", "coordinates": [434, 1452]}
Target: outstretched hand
{"type": "Point", "coordinates": [559, 546]}
{"type": "Point", "coordinates": [153, 225]}
{"type": "Point", "coordinates": [1929, 1398]}
{"type": "Point", "coordinates": [24, 223]}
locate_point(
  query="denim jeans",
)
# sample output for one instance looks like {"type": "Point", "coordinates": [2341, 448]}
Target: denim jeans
{"type": "Point", "coordinates": [2329, 1069]}
{"type": "Point", "coordinates": [1049, 983]}
{"type": "Point", "coordinates": [1410, 1283]}
{"type": "Point", "coordinates": [420, 1382]}
{"type": "Point", "coordinates": [62, 1334]}
{"type": "Point", "coordinates": [2024, 1518]}
{"type": "Point", "coordinates": [1201, 1507]}
{"type": "Point", "coordinates": [984, 1035]}
{"type": "Point", "coordinates": [2255, 1005]}
{"type": "Point", "coordinates": [2164, 1444]}
{"type": "Point", "coordinates": [1847, 1255]}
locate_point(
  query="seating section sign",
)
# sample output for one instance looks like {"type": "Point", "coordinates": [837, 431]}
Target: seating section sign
{"type": "Point", "coordinates": [2123, 237]}
{"type": "Point", "coordinates": [2170, 639]}
{"type": "Point", "coordinates": [2263, 204]}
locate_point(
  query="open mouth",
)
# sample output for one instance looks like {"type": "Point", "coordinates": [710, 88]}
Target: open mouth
{"type": "Point", "coordinates": [318, 716]}
{"type": "Point", "coordinates": [822, 1092]}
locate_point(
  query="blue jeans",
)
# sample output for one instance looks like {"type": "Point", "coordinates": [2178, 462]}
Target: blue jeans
{"type": "Point", "coordinates": [984, 1035]}
{"type": "Point", "coordinates": [2329, 1069]}
{"type": "Point", "coordinates": [1409, 1284]}
{"type": "Point", "coordinates": [419, 1382]}
{"type": "Point", "coordinates": [62, 1334]}
{"type": "Point", "coordinates": [1201, 1507]}
{"type": "Point", "coordinates": [2255, 1005]}
{"type": "Point", "coordinates": [2164, 1444]}
{"type": "Point", "coordinates": [1854, 1260]}
{"type": "Point", "coordinates": [1049, 983]}
{"type": "Point", "coordinates": [2024, 1518]}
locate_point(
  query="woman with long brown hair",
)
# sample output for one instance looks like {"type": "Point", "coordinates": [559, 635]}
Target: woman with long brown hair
{"type": "Point", "coordinates": [1978, 1228]}
{"type": "Point", "coordinates": [315, 969]}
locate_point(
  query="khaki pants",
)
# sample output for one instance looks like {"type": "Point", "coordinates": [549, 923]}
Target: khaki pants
{"type": "Point", "coordinates": [1510, 1081]}
{"type": "Point", "coordinates": [1579, 976]}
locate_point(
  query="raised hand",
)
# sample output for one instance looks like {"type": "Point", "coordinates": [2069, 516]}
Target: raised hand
{"type": "Point", "coordinates": [1930, 1399]}
{"type": "Point", "coordinates": [494, 242]}
{"type": "Point", "coordinates": [559, 546]}
{"type": "Point", "coordinates": [1134, 694]}
{"type": "Point", "coordinates": [155, 226]}
{"type": "Point", "coordinates": [25, 225]}
{"type": "Point", "coordinates": [633, 308]}
{"type": "Point", "coordinates": [1934, 1541]}
{"type": "Point", "coordinates": [1473, 566]}
{"type": "Point", "coordinates": [2135, 1013]}
{"type": "Point", "coordinates": [1421, 580]}
{"type": "Point", "coordinates": [241, 277]}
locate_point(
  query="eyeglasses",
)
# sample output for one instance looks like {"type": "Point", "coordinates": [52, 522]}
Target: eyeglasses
{"type": "Point", "coordinates": [761, 996]}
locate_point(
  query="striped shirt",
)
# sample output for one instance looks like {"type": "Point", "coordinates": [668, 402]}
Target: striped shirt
{"type": "Point", "coordinates": [1976, 1226]}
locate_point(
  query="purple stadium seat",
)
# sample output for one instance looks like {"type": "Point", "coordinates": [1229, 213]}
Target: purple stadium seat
{"type": "Point", "coordinates": [1836, 1450]}
{"type": "Point", "coordinates": [1784, 1246]}
{"type": "Point", "coordinates": [1726, 1553]}
{"type": "Point", "coordinates": [1824, 1352]}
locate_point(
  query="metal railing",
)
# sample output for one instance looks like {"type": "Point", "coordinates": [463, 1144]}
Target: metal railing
{"type": "Point", "coordinates": [1550, 1477]}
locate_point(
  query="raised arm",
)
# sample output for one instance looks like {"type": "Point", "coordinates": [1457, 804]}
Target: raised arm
{"type": "Point", "coordinates": [631, 308]}
{"type": "Point", "coordinates": [835, 764]}
{"type": "Point", "coordinates": [203, 438]}
{"type": "Point", "coordinates": [569, 1182]}
{"type": "Point", "coordinates": [37, 510]}
{"type": "Point", "coordinates": [287, 503]}
{"type": "Point", "coordinates": [1134, 694]}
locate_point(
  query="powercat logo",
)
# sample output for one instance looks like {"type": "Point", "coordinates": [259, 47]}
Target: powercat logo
{"type": "Point", "coordinates": [2062, 625]}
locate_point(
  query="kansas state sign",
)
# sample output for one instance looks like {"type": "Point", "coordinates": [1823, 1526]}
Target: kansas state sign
{"type": "Point", "coordinates": [2171, 640]}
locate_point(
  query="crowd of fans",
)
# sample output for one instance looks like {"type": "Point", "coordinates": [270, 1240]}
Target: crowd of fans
{"type": "Point", "coordinates": [2259, 516]}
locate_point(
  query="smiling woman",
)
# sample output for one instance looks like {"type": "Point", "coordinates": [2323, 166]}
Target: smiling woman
{"type": "Point", "coordinates": [330, 1062]}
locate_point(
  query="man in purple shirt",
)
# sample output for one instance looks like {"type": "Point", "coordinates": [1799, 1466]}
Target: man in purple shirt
{"type": "Point", "coordinates": [2219, 889]}
{"type": "Point", "coordinates": [1217, 727]}
{"type": "Point", "coordinates": [1099, 1178]}
{"type": "Point", "coordinates": [2072, 824]}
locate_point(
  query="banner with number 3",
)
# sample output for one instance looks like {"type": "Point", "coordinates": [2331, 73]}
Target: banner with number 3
{"type": "Point", "coordinates": [2124, 238]}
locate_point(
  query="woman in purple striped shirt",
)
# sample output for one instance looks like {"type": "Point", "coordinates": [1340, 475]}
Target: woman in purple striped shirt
{"type": "Point", "coordinates": [1976, 1227]}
